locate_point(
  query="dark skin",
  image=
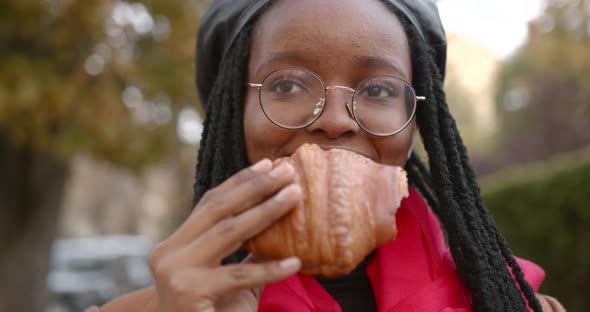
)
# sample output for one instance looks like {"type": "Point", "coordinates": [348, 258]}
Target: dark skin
{"type": "Point", "coordinates": [356, 42]}
{"type": "Point", "coordinates": [344, 41]}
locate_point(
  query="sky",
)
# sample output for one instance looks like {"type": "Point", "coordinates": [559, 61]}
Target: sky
{"type": "Point", "coordinates": [500, 25]}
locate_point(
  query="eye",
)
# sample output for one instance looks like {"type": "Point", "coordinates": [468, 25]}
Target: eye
{"type": "Point", "coordinates": [379, 90]}
{"type": "Point", "coordinates": [286, 86]}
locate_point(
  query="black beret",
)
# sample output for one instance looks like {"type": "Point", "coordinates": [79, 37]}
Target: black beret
{"type": "Point", "coordinates": [224, 20]}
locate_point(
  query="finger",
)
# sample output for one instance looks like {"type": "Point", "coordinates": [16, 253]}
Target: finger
{"type": "Point", "coordinates": [197, 221]}
{"type": "Point", "coordinates": [550, 304]}
{"type": "Point", "coordinates": [206, 213]}
{"type": "Point", "coordinates": [242, 197]}
{"type": "Point", "coordinates": [228, 235]}
{"type": "Point", "coordinates": [252, 258]}
{"type": "Point", "coordinates": [261, 167]}
{"type": "Point", "coordinates": [234, 277]}
{"type": "Point", "coordinates": [251, 192]}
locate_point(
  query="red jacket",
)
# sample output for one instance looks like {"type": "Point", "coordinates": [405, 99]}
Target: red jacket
{"type": "Point", "coordinates": [414, 272]}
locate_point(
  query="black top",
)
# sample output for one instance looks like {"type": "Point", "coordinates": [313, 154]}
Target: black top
{"type": "Point", "coordinates": [353, 292]}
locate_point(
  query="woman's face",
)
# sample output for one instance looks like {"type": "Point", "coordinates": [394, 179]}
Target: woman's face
{"type": "Point", "coordinates": [343, 41]}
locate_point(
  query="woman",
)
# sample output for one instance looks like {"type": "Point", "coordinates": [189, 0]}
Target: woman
{"type": "Point", "coordinates": [254, 54]}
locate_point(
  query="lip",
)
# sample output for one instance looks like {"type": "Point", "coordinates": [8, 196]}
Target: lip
{"type": "Point", "coordinates": [342, 147]}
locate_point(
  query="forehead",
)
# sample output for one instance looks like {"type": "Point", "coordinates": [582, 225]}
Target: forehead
{"type": "Point", "coordinates": [330, 35]}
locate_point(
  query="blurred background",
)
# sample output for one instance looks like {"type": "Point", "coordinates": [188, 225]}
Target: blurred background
{"type": "Point", "coordinates": [100, 125]}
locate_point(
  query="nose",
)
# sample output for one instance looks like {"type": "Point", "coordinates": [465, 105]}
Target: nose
{"type": "Point", "coordinates": [336, 119]}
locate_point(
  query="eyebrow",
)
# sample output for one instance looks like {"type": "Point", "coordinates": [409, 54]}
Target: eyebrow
{"type": "Point", "coordinates": [362, 61]}
{"type": "Point", "coordinates": [290, 56]}
{"type": "Point", "coordinates": [377, 61]}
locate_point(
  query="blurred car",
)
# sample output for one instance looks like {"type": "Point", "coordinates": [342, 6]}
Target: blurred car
{"type": "Point", "coordinates": [92, 271]}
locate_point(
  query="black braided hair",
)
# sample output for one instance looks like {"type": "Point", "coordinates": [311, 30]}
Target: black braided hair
{"type": "Point", "coordinates": [482, 256]}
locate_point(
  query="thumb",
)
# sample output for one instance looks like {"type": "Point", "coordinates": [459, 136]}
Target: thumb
{"type": "Point", "coordinates": [252, 258]}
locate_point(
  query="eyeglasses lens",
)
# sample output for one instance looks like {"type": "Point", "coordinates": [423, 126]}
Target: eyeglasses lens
{"type": "Point", "coordinates": [383, 105]}
{"type": "Point", "coordinates": [294, 98]}
{"type": "Point", "coordinates": [289, 98]}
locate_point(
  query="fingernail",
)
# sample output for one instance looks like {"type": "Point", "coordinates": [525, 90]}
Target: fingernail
{"type": "Point", "coordinates": [290, 263]}
{"type": "Point", "coordinates": [261, 165]}
{"type": "Point", "coordinates": [281, 170]}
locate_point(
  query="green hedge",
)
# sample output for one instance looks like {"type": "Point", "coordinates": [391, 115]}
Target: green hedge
{"type": "Point", "coordinates": [544, 212]}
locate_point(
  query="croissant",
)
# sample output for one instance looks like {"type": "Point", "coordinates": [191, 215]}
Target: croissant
{"type": "Point", "coordinates": [348, 209]}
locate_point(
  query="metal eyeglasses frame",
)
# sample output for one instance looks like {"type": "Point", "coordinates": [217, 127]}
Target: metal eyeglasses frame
{"type": "Point", "coordinates": [350, 106]}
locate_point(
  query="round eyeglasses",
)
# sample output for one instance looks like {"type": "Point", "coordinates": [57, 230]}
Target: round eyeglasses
{"type": "Point", "coordinates": [295, 97]}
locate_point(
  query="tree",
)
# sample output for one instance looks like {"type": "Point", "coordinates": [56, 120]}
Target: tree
{"type": "Point", "coordinates": [543, 92]}
{"type": "Point", "coordinates": [105, 78]}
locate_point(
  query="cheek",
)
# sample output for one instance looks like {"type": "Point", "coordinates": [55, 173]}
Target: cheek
{"type": "Point", "coordinates": [263, 138]}
{"type": "Point", "coordinates": [394, 150]}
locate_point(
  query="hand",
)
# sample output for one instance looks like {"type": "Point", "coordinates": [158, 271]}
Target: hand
{"type": "Point", "coordinates": [186, 267]}
{"type": "Point", "coordinates": [550, 304]}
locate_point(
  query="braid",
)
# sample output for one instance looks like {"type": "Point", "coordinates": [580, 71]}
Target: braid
{"type": "Point", "coordinates": [223, 152]}
{"type": "Point", "coordinates": [481, 254]}
{"type": "Point", "coordinates": [419, 179]}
